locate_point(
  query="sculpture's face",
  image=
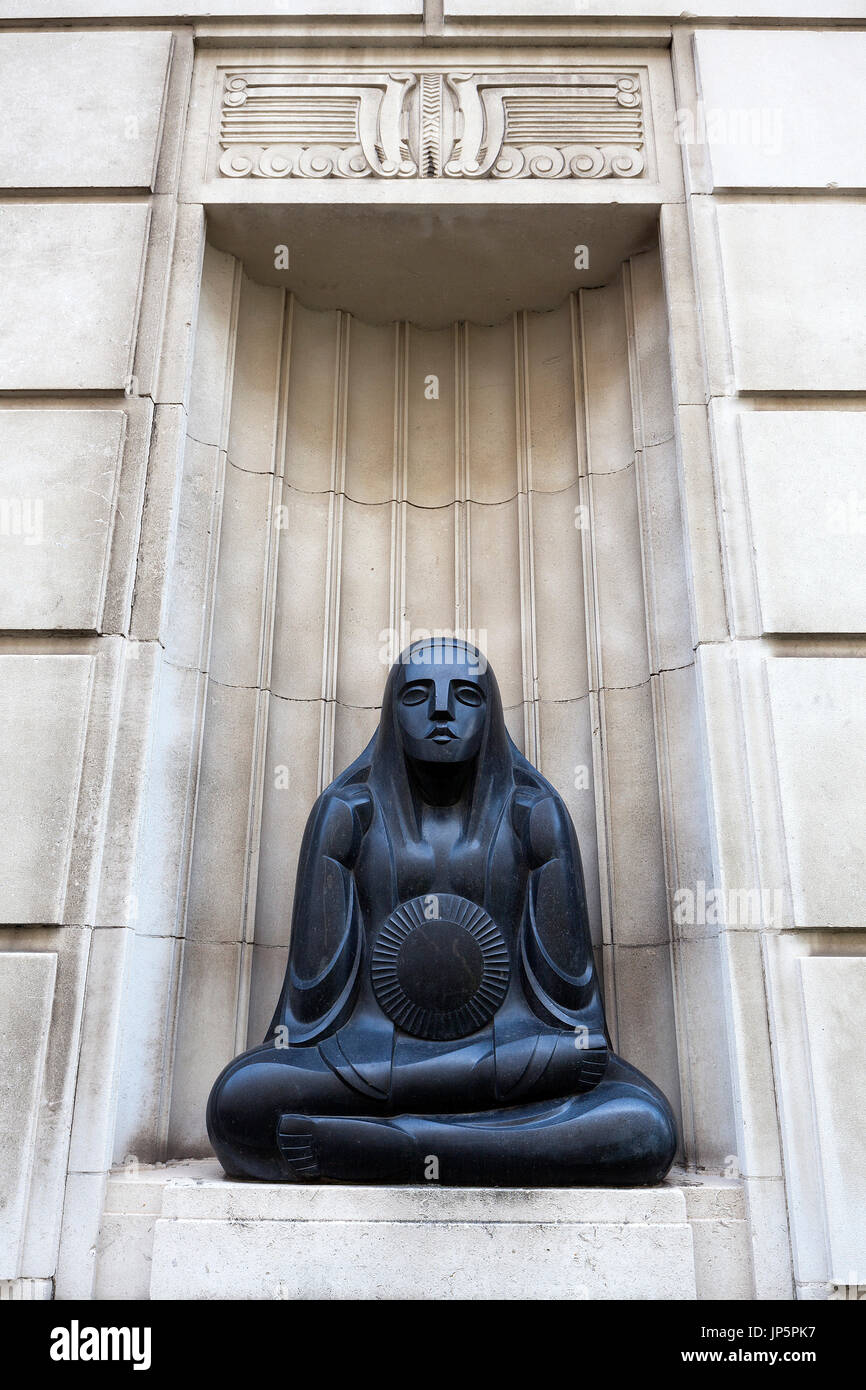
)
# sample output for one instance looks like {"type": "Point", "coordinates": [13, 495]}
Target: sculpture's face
{"type": "Point", "coordinates": [441, 706]}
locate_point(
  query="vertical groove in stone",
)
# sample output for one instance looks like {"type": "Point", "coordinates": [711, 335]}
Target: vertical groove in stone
{"type": "Point", "coordinates": [462, 538]}
{"type": "Point", "coordinates": [337, 489]}
{"type": "Point", "coordinates": [399, 487]}
{"type": "Point", "coordinates": [272, 543]}
{"type": "Point", "coordinates": [180, 1023]}
{"type": "Point", "coordinates": [593, 640]}
{"type": "Point", "coordinates": [529, 652]}
{"type": "Point", "coordinates": [662, 748]}
{"type": "Point", "coordinates": [647, 568]}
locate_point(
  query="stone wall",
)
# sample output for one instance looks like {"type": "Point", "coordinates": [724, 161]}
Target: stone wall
{"type": "Point", "coordinates": [715, 388]}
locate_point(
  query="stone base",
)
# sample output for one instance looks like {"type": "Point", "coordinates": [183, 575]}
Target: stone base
{"type": "Point", "coordinates": [185, 1232]}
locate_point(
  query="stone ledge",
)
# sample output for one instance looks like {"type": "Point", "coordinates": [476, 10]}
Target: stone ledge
{"type": "Point", "coordinates": [183, 1231]}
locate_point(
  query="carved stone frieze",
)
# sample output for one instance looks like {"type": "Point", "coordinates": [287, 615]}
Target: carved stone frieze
{"type": "Point", "coordinates": [545, 124]}
{"type": "Point", "coordinates": [315, 125]}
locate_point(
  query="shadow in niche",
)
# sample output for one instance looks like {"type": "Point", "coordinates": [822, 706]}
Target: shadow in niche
{"type": "Point", "coordinates": [433, 265]}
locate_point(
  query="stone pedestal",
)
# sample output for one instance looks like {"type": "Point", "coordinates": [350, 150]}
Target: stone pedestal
{"type": "Point", "coordinates": [185, 1232]}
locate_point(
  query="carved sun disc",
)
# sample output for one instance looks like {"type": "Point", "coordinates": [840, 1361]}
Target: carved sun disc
{"type": "Point", "coordinates": [440, 967]}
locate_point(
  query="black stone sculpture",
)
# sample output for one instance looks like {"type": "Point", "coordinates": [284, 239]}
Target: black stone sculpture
{"type": "Point", "coordinates": [440, 1015]}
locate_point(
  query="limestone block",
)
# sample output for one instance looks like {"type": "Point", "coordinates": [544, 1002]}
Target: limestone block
{"type": "Point", "coordinates": [71, 948]}
{"type": "Point", "coordinates": [123, 1257]}
{"type": "Point", "coordinates": [258, 366]}
{"type": "Point", "coordinates": [757, 1144]}
{"type": "Point", "coordinates": [144, 1047]}
{"type": "Point", "coordinates": [365, 612]}
{"type": "Point", "coordinates": [26, 997]}
{"type": "Point", "coordinates": [679, 733]}
{"type": "Point", "coordinates": [190, 587]}
{"type": "Point", "coordinates": [312, 384]}
{"type": "Point", "coordinates": [82, 110]}
{"type": "Point", "coordinates": [811, 340]}
{"type": "Point", "coordinates": [565, 728]}
{"type": "Point", "coordinates": [299, 619]}
{"type": "Point", "coordinates": [43, 706]}
{"type": "Point", "coordinates": [70, 280]}
{"type": "Point", "coordinates": [818, 710]}
{"type": "Point", "coordinates": [610, 438]}
{"type": "Point", "coordinates": [430, 446]}
{"type": "Point", "coordinates": [644, 1015]}
{"type": "Point", "coordinates": [273, 1242]}
{"type": "Point", "coordinates": [834, 994]}
{"type": "Point", "coordinates": [289, 787]}
{"type": "Point", "coordinates": [781, 109]}
{"type": "Point", "coordinates": [126, 798]}
{"type": "Point", "coordinates": [266, 983]}
{"type": "Point", "coordinates": [371, 391]}
{"type": "Point", "coordinates": [170, 804]}
{"type": "Point", "coordinates": [804, 474]}
{"type": "Point", "coordinates": [211, 9]}
{"type": "Point", "coordinates": [622, 623]}
{"type": "Point", "coordinates": [219, 867]}
{"type": "Point", "coordinates": [31, 1290]}
{"type": "Point", "coordinates": [155, 569]}
{"type": "Point", "coordinates": [709, 1137]}
{"type": "Point", "coordinates": [431, 587]}
{"type": "Point", "coordinates": [560, 626]}
{"type": "Point", "coordinates": [549, 388]}
{"type": "Point", "coordinates": [207, 1038]}
{"type": "Point", "coordinates": [485, 399]}
{"type": "Point", "coordinates": [626, 9]}
{"type": "Point", "coordinates": [60, 471]}
{"type": "Point", "coordinates": [666, 575]}
{"type": "Point", "coordinates": [82, 1207]}
{"type": "Point", "coordinates": [133, 1201]}
{"type": "Point", "coordinates": [498, 596]}
{"type": "Point", "coordinates": [90, 1142]}
{"type": "Point", "coordinates": [768, 1225]}
{"type": "Point", "coordinates": [215, 328]}
{"type": "Point", "coordinates": [245, 536]}
{"type": "Point", "coordinates": [639, 905]}
{"type": "Point", "coordinates": [716, 1210]}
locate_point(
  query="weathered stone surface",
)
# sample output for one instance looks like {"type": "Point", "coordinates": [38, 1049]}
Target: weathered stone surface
{"type": "Point", "coordinates": [811, 340]}
{"type": "Point", "coordinates": [61, 472]}
{"type": "Point", "coordinates": [781, 109]}
{"type": "Point", "coordinates": [818, 709]}
{"type": "Point", "coordinates": [217, 1239]}
{"type": "Point", "coordinates": [26, 997]}
{"type": "Point", "coordinates": [834, 991]}
{"type": "Point", "coordinates": [70, 280]}
{"type": "Point", "coordinates": [82, 110]}
{"type": "Point", "coordinates": [804, 475]}
{"type": "Point", "coordinates": [43, 699]}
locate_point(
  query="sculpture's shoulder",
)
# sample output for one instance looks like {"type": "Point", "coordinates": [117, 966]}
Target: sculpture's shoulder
{"type": "Point", "coordinates": [340, 818]}
{"type": "Point", "coordinates": [540, 819]}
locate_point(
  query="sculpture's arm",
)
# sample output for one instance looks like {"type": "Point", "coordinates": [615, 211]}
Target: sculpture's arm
{"type": "Point", "coordinates": [327, 930]}
{"type": "Point", "coordinates": [556, 950]}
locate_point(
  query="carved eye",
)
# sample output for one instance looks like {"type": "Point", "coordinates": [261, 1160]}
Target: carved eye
{"type": "Point", "coordinates": [414, 695]}
{"type": "Point", "coordinates": [469, 694]}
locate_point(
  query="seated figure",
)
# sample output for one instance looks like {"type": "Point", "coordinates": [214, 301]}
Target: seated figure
{"type": "Point", "coordinates": [441, 1014]}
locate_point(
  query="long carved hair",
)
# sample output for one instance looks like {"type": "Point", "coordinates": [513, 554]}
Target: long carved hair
{"type": "Point", "coordinates": [499, 763]}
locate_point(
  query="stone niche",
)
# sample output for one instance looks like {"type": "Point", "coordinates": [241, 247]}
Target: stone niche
{"type": "Point", "coordinates": [416, 405]}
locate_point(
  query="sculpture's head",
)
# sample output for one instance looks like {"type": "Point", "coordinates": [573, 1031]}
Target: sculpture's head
{"type": "Point", "coordinates": [441, 707]}
{"type": "Point", "coordinates": [441, 701]}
